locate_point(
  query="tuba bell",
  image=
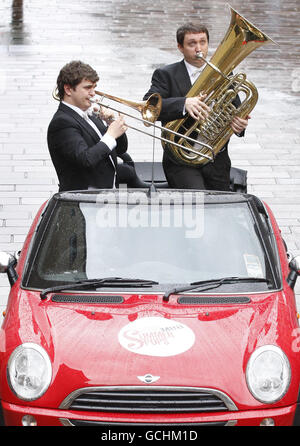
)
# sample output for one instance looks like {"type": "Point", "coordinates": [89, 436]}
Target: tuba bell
{"type": "Point", "coordinates": [221, 87]}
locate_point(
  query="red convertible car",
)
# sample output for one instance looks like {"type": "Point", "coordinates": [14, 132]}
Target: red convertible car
{"type": "Point", "coordinates": [138, 308]}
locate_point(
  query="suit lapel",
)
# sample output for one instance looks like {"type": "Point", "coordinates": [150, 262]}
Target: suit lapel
{"type": "Point", "coordinates": [182, 78]}
{"type": "Point", "coordinates": [98, 123]}
{"type": "Point", "coordinates": [83, 123]}
{"type": "Point", "coordinates": [102, 127]}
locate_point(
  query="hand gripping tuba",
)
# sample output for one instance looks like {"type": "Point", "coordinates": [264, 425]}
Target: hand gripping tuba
{"type": "Point", "coordinates": [221, 87]}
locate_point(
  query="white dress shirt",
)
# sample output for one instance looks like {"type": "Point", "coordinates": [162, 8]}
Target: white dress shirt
{"type": "Point", "coordinates": [193, 73]}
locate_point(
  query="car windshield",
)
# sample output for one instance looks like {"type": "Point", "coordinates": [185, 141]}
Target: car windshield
{"type": "Point", "coordinates": [174, 245]}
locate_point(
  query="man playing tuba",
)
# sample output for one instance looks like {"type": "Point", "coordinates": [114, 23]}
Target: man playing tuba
{"type": "Point", "coordinates": [173, 83]}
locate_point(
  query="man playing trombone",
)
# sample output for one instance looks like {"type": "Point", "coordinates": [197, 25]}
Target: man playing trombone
{"type": "Point", "coordinates": [173, 83]}
{"type": "Point", "coordinates": [84, 148]}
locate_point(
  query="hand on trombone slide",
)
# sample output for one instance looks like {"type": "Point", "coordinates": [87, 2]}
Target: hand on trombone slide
{"type": "Point", "coordinates": [117, 127]}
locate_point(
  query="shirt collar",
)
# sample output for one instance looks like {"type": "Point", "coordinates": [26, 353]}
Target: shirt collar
{"type": "Point", "coordinates": [192, 69]}
{"type": "Point", "coordinates": [76, 109]}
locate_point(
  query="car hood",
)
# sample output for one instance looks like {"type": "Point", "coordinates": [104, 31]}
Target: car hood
{"type": "Point", "coordinates": [179, 345]}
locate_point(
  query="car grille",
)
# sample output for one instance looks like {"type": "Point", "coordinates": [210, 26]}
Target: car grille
{"type": "Point", "coordinates": [67, 422]}
{"type": "Point", "coordinates": [148, 400]}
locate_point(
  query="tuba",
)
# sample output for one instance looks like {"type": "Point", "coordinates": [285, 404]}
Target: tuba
{"type": "Point", "coordinates": [221, 87]}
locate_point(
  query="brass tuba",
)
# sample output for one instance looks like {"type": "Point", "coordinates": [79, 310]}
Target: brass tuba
{"type": "Point", "coordinates": [221, 87]}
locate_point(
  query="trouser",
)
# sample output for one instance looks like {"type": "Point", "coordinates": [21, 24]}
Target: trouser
{"type": "Point", "coordinates": [211, 176]}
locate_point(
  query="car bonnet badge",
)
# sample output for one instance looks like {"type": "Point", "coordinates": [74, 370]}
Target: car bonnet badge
{"type": "Point", "coordinates": [148, 378]}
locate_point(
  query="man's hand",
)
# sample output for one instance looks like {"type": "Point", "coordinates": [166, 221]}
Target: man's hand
{"type": "Point", "coordinates": [106, 115]}
{"type": "Point", "coordinates": [117, 128]}
{"type": "Point", "coordinates": [239, 124]}
{"type": "Point", "coordinates": [196, 107]}
{"type": "Point", "coordinates": [103, 113]}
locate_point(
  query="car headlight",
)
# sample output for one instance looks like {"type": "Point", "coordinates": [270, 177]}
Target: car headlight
{"type": "Point", "coordinates": [268, 374]}
{"type": "Point", "coordinates": [29, 371]}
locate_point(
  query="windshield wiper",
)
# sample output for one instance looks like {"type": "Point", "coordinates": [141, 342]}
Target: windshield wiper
{"type": "Point", "coordinates": [214, 282]}
{"type": "Point", "coordinates": [97, 283]}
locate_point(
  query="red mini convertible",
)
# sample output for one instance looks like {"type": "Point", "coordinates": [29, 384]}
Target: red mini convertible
{"type": "Point", "coordinates": [171, 308]}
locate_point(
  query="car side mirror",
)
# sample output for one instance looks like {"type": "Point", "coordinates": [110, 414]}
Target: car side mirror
{"type": "Point", "coordinates": [295, 271]}
{"type": "Point", "coordinates": [7, 265]}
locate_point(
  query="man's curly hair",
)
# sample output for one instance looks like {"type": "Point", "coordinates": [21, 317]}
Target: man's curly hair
{"type": "Point", "coordinates": [72, 74]}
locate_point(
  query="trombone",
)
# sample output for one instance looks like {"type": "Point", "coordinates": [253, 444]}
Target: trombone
{"type": "Point", "coordinates": [150, 110]}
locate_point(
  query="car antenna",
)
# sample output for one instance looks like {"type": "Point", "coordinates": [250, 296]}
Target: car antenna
{"type": "Point", "coordinates": [152, 188]}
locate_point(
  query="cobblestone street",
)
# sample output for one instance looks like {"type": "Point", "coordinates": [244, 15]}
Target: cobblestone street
{"type": "Point", "coordinates": [124, 41]}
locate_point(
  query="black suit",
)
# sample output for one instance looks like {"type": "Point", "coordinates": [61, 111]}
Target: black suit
{"type": "Point", "coordinates": [172, 82]}
{"type": "Point", "coordinates": [79, 157]}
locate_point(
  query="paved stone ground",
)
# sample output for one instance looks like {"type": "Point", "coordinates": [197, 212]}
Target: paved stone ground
{"type": "Point", "coordinates": [124, 41]}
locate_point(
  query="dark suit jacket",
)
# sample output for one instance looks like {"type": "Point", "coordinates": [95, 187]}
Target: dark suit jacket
{"type": "Point", "coordinates": [79, 158]}
{"type": "Point", "coordinates": [173, 83]}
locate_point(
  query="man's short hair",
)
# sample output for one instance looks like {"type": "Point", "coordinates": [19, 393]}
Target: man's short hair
{"type": "Point", "coordinates": [194, 28]}
{"type": "Point", "coordinates": [72, 74]}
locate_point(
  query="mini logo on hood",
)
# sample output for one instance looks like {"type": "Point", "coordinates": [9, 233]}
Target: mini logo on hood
{"type": "Point", "coordinates": [148, 379]}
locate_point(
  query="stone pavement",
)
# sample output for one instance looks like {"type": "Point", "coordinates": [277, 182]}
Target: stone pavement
{"type": "Point", "coordinates": [124, 41]}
